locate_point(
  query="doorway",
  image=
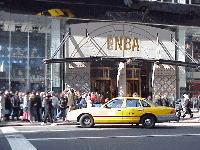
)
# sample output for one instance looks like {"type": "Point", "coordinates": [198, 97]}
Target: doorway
{"type": "Point", "coordinates": [132, 86]}
{"type": "Point", "coordinates": [103, 87]}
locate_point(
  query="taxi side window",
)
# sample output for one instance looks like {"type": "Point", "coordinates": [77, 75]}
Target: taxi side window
{"type": "Point", "coordinates": [117, 103]}
{"type": "Point", "coordinates": [132, 103]}
{"type": "Point", "coordinates": [145, 104]}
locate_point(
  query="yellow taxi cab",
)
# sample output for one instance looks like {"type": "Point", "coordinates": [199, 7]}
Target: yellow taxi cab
{"type": "Point", "coordinates": [123, 110]}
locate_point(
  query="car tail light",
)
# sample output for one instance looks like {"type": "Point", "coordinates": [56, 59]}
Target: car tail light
{"type": "Point", "coordinates": [173, 112]}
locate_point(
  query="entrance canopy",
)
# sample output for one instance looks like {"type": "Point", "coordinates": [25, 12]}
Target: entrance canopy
{"type": "Point", "coordinates": [117, 59]}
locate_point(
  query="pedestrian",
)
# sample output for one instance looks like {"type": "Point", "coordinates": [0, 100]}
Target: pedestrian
{"type": "Point", "coordinates": [93, 97]}
{"type": "Point", "coordinates": [158, 100]}
{"type": "Point", "coordinates": [165, 101]}
{"type": "Point", "coordinates": [199, 110]}
{"type": "Point", "coordinates": [88, 100]}
{"type": "Point", "coordinates": [26, 107]}
{"type": "Point", "coordinates": [135, 94]}
{"type": "Point", "coordinates": [8, 106]}
{"type": "Point", "coordinates": [172, 101]}
{"type": "Point", "coordinates": [43, 104]}
{"type": "Point", "coordinates": [83, 101]}
{"type": "Point", "coordinates": [55, 104]}
{"type": "Point", "coordinates": [187, 106]}
{"type": "Point", "coordinates": [149, 98]}
{"type": "Point", "coordinates": [33, 109]}
{"type": "Point", "coordinates": [38, 106]}
{"type": "Point", "coordinates": [63, 105]}
{"type": "Point", "coordinates": [15, 106]}
{"type": "Point", "coordinates": [70, 102]}
{"type": "Point", "coordinates": [2, 107]}
{"type": "Point", "coordinates": [48, 109]}
{"type": "Point", "coordinates": [101, 99]}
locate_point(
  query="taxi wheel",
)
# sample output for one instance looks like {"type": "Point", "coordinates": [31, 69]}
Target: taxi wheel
{"type": "Point", "coordinates": [148, 121]}
{"type": "Point", "coordinates": [86, 121]}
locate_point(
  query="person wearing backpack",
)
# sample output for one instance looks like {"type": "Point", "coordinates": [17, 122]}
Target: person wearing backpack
{"type": "Point", "coordinates": [15, 106]}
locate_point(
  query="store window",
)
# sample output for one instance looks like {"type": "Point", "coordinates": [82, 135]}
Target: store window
{"type": "Point", "coordinates": [23, 45]}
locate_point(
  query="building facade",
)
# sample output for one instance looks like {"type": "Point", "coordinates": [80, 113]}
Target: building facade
{"type": "Point", "coordinates": [25, 40]}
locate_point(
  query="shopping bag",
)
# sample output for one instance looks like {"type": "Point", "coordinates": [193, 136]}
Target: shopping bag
{"type": "Point", "coordinates": [25, 115]}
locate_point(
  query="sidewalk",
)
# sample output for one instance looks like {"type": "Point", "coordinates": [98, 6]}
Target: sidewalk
{"type": "Point", "coordinates": [27, 123]}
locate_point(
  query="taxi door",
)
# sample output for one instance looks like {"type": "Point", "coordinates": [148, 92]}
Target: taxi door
{"type": "Point", "coordinates": [112, 113]}
{"type": "Point", "coordinates": [133, 111]}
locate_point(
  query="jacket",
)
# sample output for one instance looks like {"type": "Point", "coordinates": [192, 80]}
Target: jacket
{"type": "Point", "coordinates": [55, 101]}
{"type": "Point", "coordinates": [71, 100]}
{"type": "Point", "coordinates": [63, 102]}
{"type": "Point", "coordinates": [38, 101]}
{"type": "Point", "coordinates": [8, 105]}
{"type": "Point", "coordinates": [15, 101]}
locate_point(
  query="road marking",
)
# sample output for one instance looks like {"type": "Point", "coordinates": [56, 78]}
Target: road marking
{"type": "Point", "coordinates": [132, 136]}
{"type": "Point", "coordinates": [8, 130]}
{"type": "Point", "coordinates": [19, 142]}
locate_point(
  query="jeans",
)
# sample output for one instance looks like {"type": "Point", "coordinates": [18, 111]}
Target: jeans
{"type": "Point", "coordinates": [55, 112]}
{"type": "Point", "coordinates": [15, 112]}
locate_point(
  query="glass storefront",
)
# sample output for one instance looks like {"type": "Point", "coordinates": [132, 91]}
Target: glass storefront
{"type": "Point", "coordinates": [23, 46]}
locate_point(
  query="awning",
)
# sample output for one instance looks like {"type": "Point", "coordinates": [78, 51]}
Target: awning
{"type": "Point", "coordinates": [118, 59]}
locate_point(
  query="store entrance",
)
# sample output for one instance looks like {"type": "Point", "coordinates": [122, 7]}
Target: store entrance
{"type": "Point", "coordinates": [103, 87]}
{"type": "Point", "coordinates": [132, 86]}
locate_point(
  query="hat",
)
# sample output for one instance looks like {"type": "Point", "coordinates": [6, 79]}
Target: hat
{"type": "Point", "coordinates": [37, 93]}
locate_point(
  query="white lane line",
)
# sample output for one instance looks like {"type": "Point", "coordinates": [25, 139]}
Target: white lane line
{"type": "Point", "coordinates": [132, 136]}
{"type": "Point", "coordinates": [178, 124]}
{"type": "Point", "coordinates": [19, 142]}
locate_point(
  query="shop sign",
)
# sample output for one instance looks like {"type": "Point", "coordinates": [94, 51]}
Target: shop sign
{"type": "Point", "coordinates": [122, 43]}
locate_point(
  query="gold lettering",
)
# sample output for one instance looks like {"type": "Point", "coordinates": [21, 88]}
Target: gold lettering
{"type": "Point", "coordinates": [110, 42]}
{"type": "Point", "coordinates": [127, 42]}
{"type": "Point", "coordinates": [135, 44]}
{"type": "Point", "coordinates": [118, 42]}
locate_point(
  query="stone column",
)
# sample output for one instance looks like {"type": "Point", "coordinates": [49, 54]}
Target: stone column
{"type": "Point", "coordinates": [55, 42]}
{"type": "Point", "coordinates": [121, 79]}
{"type": "Point", "coordinates": [179, 56]}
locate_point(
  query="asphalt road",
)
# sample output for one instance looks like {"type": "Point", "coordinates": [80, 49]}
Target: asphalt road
{"type": "Point", "coordinates": [101, 137]}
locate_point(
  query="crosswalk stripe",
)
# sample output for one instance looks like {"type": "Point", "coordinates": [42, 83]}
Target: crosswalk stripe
{"type": "Point", "coordinates": [8, 130]}
{"type": "Point", "coordinates": [19, 142]}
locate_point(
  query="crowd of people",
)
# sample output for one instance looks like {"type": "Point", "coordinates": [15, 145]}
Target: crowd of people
{"type": "Point", "coordinates": [44, 107]}
{"type": "Point", "coordinates": [47, 107]}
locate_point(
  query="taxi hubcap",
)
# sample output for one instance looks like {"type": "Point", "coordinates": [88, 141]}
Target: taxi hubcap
{"type": "Point", "coordinates": [87, 121]}
{"type": "Point", "coordinates": [148, 121]}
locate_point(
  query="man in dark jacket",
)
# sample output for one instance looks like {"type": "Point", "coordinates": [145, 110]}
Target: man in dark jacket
{"type": "Point", "coordinates": [187, 106]}
{"type": "Point", "coordinates": [38, 106]}
{"type": "Point", "coordinates": [8, 106]}
{"type": "Point", "coordinates": [63, 105]}
{"type": "Point", "coordinates": [48, 106]}
{"type": "Point", "coordinates": [15, 106]}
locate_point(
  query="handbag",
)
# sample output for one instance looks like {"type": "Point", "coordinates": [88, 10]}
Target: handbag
{"type": "Point", "coordinates": [25, 115]}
